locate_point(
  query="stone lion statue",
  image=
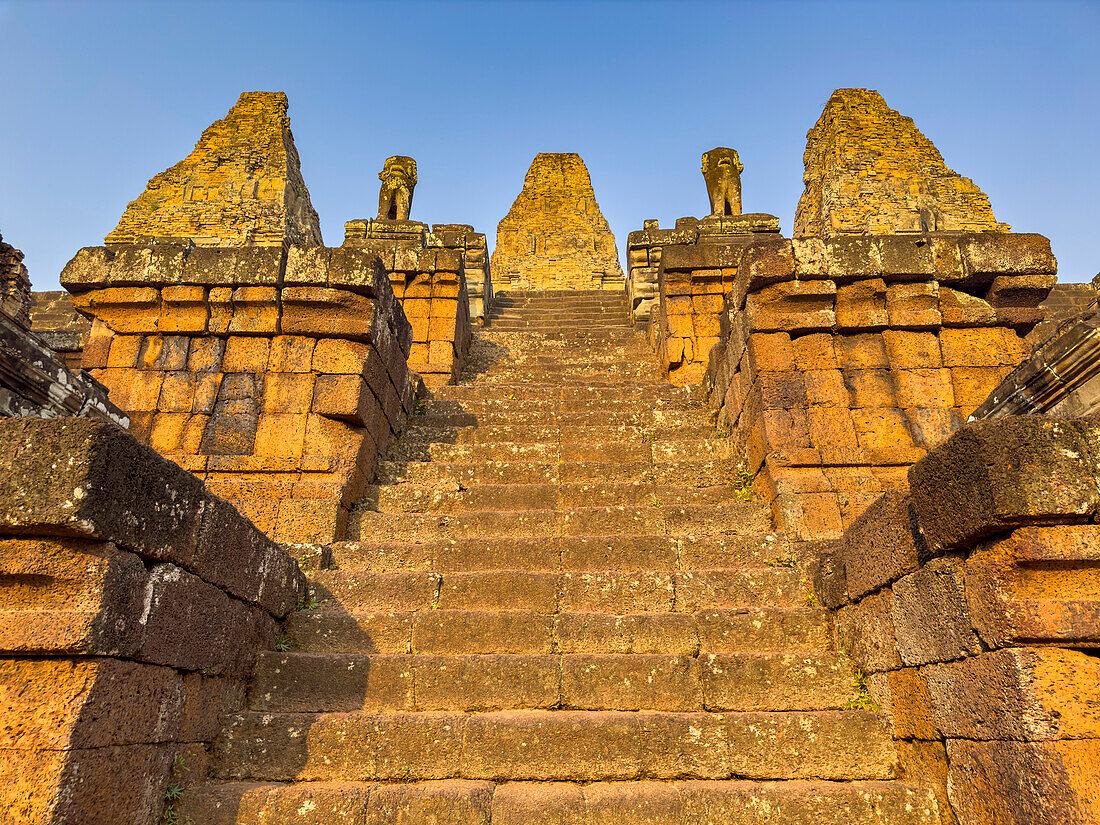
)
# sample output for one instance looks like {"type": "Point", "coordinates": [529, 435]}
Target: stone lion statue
{"type": "Point", "coordinates": [722, 172]}
{"type": "Point", "coordinates": [398, 178]}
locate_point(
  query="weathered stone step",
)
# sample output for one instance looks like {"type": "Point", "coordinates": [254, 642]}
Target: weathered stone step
{"type": "Point", "coordinates": [555, 433]}
{"type": "Point", "coordinates": [327, 682]}
{"type": "Point", "coordinates": [572, 315]}
{"type": "Point", "coordinates": [731, 518]}
{"type": "Point", "coordinates": [576, 395]}
{"type": "Point", "coordinates": [555, 415]}
{"type": "Point", "coordinates": [576, 452]}
{"type": "Point", "coordinates": [466, 802]}
{"type": "Point", "coordinates": [570, 375]}
{"type": "Point", "coordinates": [554, 745]}
{"type": "Point", "coordinates": [696, 473]}
{"type": "Point", "coordinates": [414, 498]}
{"type": "Point", "coordinates": [562, 553]}
{"type": "Point", "coordinates": [592, 336]}
{"type": "Point", "coordinates": [744, 630]}
{"type": "Point", "coordinates": [549, 592]}
{"type": "Point", "coordinates": [500, 405]}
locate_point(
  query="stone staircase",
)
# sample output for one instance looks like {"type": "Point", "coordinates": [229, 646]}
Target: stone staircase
{"type": "Point", "coordinates": [561, 609]}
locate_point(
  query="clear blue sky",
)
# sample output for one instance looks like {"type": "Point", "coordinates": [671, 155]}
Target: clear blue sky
{"type": "Point", "coordinates": [98, 97]}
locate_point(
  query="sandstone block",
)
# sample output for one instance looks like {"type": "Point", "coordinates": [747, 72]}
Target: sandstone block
{"type": "Point", "coordinates": [340, 357]}
{"type": "Point", "coordinates": [183, 309]}
{"type": "Point", "coordinates": [924, 388]}
{"type": "Point", "coordinates": [905, 258]}
{"type": "Point", "coordinates": [931, 620]}
{"type": "Point", "coordinates": [79, 597]}
{"type": "Point", "coordinates": [193, 625]}
{"type": "Point", "coordinates": [911, 705]}
{"type": "Point", "coordinates": [105, 785]}
{"type": "Point", "coordinates": [826, 387]}
{"type": "Point", "coordinates": [86, 478]}
{"type": "Point", "coordinates": [866, 631]}
{"type": "Point", "coordinates": [793, 306]}
{"type": "Point", "coordinates": [814, 352]}
{"type": "Point", "coordinates": [829, 580]}
{"type": "Point", "coordinates": [913, 305]}
{"type": "Point", "coordinates": [912, 350]}
{"type": "Point", "coordinates": [1011, 471]}
{"type": "Point", "coordinates": [123, 309]}
{"type": "Point", "coordinates": [861, 305]}
{"type": "Point", "coordinates": [205, 354]}
{"type": "Point", "coordinates": [91, 703]}
{"type": "Point", "coordinates": [959, 309]}
{"type": "Point", "coordinates": [346, 397]}
{"type": "Point", "coordinates": [861, 352]}
{"type": "Point", "coordinates": [1018, 693]}
{"type": "Point", "coordinates": [882, 545]}
{"type": "Point", "coordinates": [994, 347]}
{"type": "Point", "coordinates": [1023, 253]}
{"type": "Point", "coordinates": [245, 354]}
{"type": "Point", "coordinates": [288, 392]}
{"type": "Point", "coordinates": [255, 310]}
{"type": "Point", "coordinates": [870, 388]}
{"type": "Point", "coordinates": [1024, 783]}
{"type": "Point", "coordinates": [449, 802]}
{"type": "Point", "coordinates": [1036, 585]}
{"type": "Point", "coordinates": [334, 312]}
{"type": "Point", "coordinates": [852, 258]}
{"type": "Point", "coordinates": [238, 558]}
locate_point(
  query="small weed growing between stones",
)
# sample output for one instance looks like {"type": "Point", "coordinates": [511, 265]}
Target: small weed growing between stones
{"type": "Point", "coordinates": [309, 602]}
{"type": "Point", "coordinates": [420, 407]}
{"type": "Point", "coordinates": [654, 501]}
{"type": "Point", "coordinates": [282, 644]}
{"type": "Point", "coordinates": [742, 484]}
{"type": "Point", "coordinates": [174, 792]}
{"type": "Point", "coordinates": [787, 560]}
{"type": "Point", "coordinates": [863, 700]}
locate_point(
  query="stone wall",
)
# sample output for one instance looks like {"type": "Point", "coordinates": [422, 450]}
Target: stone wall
{"type": "Point", "coordinates": [1063, 302]}
{"type": "Point", "coordinates": [869, 170]}
{"type": "Point", "coordinates": [843, 361]}
{"type": "Point", "coordinates": [15, 285]}
{"type": "Point", "coordinates": [427, 271]}
{"type": "Point", "coordinates": [554, 236]}
{"type": "Point", "coordinates": [643, 260]}
{"type": "Point", "coordinates": [971, 604]}
{"type": "Point", "coordinates": [241, 186]}
{"type": "Point", "coordinates": [277, 376]}
{"type": "Point", "coordinates": [60, 327]}
{"type": "Point", "coordinates": [133, 605]}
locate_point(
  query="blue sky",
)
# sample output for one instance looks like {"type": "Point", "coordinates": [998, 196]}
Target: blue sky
{"type": "Point", "coordinates": [97, 97]}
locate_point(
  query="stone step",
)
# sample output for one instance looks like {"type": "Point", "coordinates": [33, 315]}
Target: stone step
{"type": "Point", "coordinates": [498, 404]}
{"type": "Point", "coordinates": [415, 498]}
{"type": "Point", "coordinates": [561, 553]}
{"type": "Point", "coordinates": [696, 473]}
{"type": "Point", "coordinates": [568, 315]}
{"type": "Point", "coordinates": [559, 416]}
{"type": "Point", "coordinates": [556, 433]}
{"type": "Point", "coordinates": [576, 452]}
{"type": "Point", "coordinates": [738, 682]}
{"type": "Point", "coordinates": [556, 745]}
{"type": "Point", "coordinates": [734, 518]}
{"type": "Point", "coordinates": [591, 336]}
{"type": "Point", "coordinates": [471, 802]}
{"type": "Point", "coordinates": [579, 396]}
{"type": "Point", "coordinates": [743, 630]}
{"type": "Point", "coordinates": [549, 592]}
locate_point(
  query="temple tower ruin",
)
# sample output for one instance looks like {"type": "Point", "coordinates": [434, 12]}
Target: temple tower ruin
{"type": "Point", "coordinates": [554, 236]}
